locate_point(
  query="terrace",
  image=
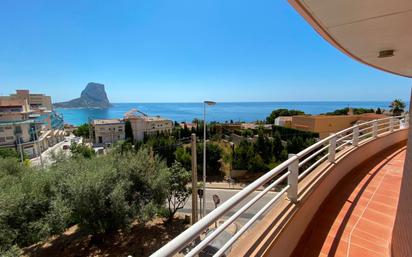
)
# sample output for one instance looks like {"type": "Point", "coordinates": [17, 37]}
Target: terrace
{"type": "Point", "coordinates": [347, 195]}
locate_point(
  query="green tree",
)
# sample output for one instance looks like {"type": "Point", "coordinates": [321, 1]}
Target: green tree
{"type": "Point", "coordinates": [282, 112]}
{"type": "Point", "coordinates": [213, 158]}
{"type": "Point", "coordinates": [263, 147]}
{"type": "Point", "coordinates": [378, 111]}
{"type": "Point", "coordinates": [243, 153]}
{"type": "Point", "coordinates": [9, 153]}
{"type": "Point", "coordinates": [83, 131]}
{"type": "Point", "coordinates": [178, 192]}
{"type": "Point", "coordinates": [163, 145]}
{"type": "Point", "coordinates": [128, 131]}
{"type": "Point", "coordinates": [82, 150]}
{"type": "Point", "coordinates": [183, 156]}
{"type": "Point", "coordinates": [397, 107]}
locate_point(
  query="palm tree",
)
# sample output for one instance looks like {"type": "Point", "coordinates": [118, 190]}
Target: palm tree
{"type": "Point", "coordinates": [397, 107]}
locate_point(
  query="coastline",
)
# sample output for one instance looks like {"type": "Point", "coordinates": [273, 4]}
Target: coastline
{"type": "Point", "coordinates": [226, 111]}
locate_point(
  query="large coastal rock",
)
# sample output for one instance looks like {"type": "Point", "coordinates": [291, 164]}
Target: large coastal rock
{"type": "Point", "coordinates": [93, 96]}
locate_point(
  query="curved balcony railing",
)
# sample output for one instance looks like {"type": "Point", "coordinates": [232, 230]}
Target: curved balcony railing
{"type": "Point", "coordinates": [291, 171]}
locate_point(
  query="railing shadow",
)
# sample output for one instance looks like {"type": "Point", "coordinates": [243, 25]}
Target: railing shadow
{"type": "Point", "coordinates": [310, 247]}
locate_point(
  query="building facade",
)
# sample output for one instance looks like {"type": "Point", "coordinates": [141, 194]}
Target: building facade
{"type": "Point", "coordinates": [107, 131]}
{"type": "Point", "coordinates": [327, 124]}
{"type": "Point", "coordinates": [143, 124]}
{"type": "Point", "coordinates": [35, 101]}
{"type": "Point", "coordinates": [28, 123]}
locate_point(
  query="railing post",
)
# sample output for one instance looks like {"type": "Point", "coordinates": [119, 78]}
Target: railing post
{"type": "Point", "coordinates": [332, 148]}
{"type": "Point", "coordinates": [375, 128]}
{"type": "Point", "coordinates": [355, 139]}
{"type": "Point", "coordinates": [293, 180]}
{"type": "Point", "coordinates": [391, 124]}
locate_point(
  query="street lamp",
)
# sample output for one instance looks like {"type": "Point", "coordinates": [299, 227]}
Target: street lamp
{"type": "Point", "coordinates": [210, 103]}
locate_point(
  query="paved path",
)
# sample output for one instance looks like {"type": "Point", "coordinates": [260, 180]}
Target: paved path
{"type": "Point", "coordinates": [46, 155]}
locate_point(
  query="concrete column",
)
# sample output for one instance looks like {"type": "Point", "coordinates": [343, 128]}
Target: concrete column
{"type": "Point", "coordinates": [402, 231]}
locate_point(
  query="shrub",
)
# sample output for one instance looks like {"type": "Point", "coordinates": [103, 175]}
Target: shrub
{"type": "Point", "coordinates": [178, 192]}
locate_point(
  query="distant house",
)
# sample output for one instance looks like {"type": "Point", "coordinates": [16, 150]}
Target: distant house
{"type": "Point", "coordinates": [107, 131]}
{"type": "Point", "coordinates": [327, 124]}
{"type": "Point", "coordinates": [142, 124]}
{"type": "Point", "coordinates": [284, 121]}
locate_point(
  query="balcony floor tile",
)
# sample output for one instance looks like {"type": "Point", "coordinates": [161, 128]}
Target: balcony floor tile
{"type": "Point", "coordinates": [358, 216]}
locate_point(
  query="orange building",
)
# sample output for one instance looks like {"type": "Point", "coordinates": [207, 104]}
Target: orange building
{"type": "Point", "coordinates": [327, 124]}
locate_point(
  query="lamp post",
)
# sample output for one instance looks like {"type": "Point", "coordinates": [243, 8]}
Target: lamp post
{"type": "Point", "coordinates": [210, 103]}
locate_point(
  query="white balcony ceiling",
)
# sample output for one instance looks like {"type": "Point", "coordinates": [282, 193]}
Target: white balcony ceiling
{"type": "Point", "coordinates": [363, 28]}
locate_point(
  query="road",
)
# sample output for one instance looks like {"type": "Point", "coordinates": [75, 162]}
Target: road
{"type": "Point", "coordinates": [47, 155]}
{"type": "Point", "coordinates": [224, 195]}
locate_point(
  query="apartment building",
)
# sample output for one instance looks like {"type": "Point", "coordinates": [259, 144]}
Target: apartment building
{"type": "Point", "coordinates": [327, 124]}
{"type": "Point", "coordinates": [107, 131]}
{"type": "Point", "coordinates": [35, 101]}
{"type": "Point", "coordinates": [28, 123]}
{"type": "Point", "coordinates": [142, 124]}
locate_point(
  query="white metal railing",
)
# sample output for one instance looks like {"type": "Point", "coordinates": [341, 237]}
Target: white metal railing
{"type": "Point", "coordinates": [292, 171]}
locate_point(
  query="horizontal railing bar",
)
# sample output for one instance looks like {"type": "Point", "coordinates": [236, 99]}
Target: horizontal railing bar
{"type": "Point", "coordinates": [344, 144]}
{"type": "Point", "coordinates": [313, 155]}
{"type": "Point", "coordinates": [381, 129]}
{"type": "Point", "coordinates": [383, 124]}
{"type": "Point", "coordinates": [192, 232]}
{"type": "Point", "coordinates": [232, 218]}
{"type": "Point", "coordinates": [303, 174]}
{"type": "Point", "coordinates": [344, 137]}
{"type": "Point", "coordinates": [367, 128]}
{"type": "Point", "coordinates": [249, 223]}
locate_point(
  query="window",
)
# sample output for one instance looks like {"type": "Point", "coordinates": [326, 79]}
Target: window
{"type": "Point", "coordinates": [1, 129]}
{"type": "Point", "coordinates": [8, 127]}
{"type": "Point", "coordinates": [9, 138]}
{"type": "Point", "coordinates": [2, 140]}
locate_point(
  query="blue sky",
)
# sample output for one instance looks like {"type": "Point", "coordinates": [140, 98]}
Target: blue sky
{"type": "Point", "coordinates": [179, 51]}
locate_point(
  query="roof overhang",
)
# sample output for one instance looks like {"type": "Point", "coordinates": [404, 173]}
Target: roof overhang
{"type": "Point", "coordinates": [364, 28]}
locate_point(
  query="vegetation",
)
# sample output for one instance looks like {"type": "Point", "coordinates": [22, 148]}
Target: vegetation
{"type": "Point", "coordinates": [397, 107]}
{"type": "Point", "coordinates": [9, 153]}
{"type": "Point", "coordinates": [378, 111]}
{"type": "Point", "coordinates": [83, 131]}
{"type": "Point", "coordinates": [100, 194]}
{"type": "Point", "coordinates": [81, 150]}
{"type": "Point", "coordinates": [128, 131]}
{"type": "Point", "coordinates": [282, 112]}
{"type": "Point", "coordinates": [345, 111]}
{"type": "Point", "coordinates": [178, 192]}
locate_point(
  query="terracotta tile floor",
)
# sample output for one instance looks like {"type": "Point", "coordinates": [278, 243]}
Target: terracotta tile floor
{"type": "Point", "coordinates": [357, 217]}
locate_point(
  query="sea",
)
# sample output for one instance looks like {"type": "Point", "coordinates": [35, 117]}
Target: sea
{"type": "Point", "coordinates": [226, 111]}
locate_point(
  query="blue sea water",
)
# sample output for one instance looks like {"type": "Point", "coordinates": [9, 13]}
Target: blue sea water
{"type": "Point", "coordinates": [239, 111]}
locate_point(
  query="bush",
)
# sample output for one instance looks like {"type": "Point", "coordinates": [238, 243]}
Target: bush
{"type": "Point", "coordinates": [108, 193]}
{"type": "Point", "coordinates": [82, 150]}
{"type": "Point", "coordinates": [282, 112]}
{"type": "Point", "coordinates": [9, 153]}
{"type": "Point", "coordinates": [178, 192]}
{"type": "Point", "coordinates": [100, 194]}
